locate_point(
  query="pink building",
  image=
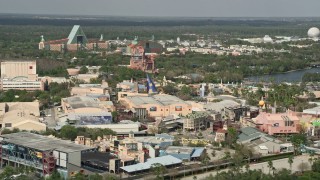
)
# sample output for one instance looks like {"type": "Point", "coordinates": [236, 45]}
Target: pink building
{"type": "Point", "coordinates": [276, 124]}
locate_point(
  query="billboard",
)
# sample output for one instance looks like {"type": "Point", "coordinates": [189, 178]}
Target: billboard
{"type": "Point", "coordinates": [178, 108]}
{"type": "Point", "coordinates": [85, 120]}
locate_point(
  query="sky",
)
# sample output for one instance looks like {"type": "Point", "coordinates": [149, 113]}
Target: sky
{"type": "Point", "coordinates": [164, 8]}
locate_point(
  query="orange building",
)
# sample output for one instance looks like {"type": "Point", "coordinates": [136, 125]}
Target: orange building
{"type": "Point", "coordinates": [76, 40]}
{"type": "Point", "coordinates": [143, 55]}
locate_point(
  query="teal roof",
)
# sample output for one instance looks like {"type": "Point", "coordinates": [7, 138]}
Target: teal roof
{"type": "Point", "coordinates": [249, 133]}
{"type": "Point", "coordinates": [76, 31]}
{"type": "Point", "coordinates": [198, 152]}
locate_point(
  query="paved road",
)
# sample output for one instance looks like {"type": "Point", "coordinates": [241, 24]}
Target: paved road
{"type": "Point", "coordinates": [50, 120]}
{"type": "Point", "coordinates": [278, 164]}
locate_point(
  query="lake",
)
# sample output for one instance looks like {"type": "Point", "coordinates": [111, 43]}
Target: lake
{"type": "Point", "coordinates": [293, 76]}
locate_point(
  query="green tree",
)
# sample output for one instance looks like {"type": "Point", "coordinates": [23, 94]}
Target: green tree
{"type": "Point", "coordinates": [68, 132]}
{"type": "Point", "coordinates": [316, 166]}
{"type": "Point", "coordinates": [95, 176]}
{"type": "Point", "coordinates": [83, 70]}
{"type": "Point", "coordinates": [114, 116]}
{"type": "Point", "coordinates": [290, 161]}
{"type": "Point", "coordinates": [297, 140]}
{"type": "Point", "coordinates": [270, 165]}
{"type": "Point", "coordinates": [55, 176]}
{"type": "Point", "coordinates": [159, 170]}
{"type": "Point", "coordinates": [7, 172]}
{"type": "Point", "coordinates": [231, 137]}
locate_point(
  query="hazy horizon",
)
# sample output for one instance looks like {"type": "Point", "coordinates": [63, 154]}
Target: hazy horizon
{"type": "Point", "coordinates": [165, 8]}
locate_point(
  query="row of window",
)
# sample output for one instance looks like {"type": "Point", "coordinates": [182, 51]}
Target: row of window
{"type": "Point", "coordinates": [14, 84]}
{"type": "Point", "coordinates": [285, 131]}
{"type": "Point", "coordinates": [23, 87]}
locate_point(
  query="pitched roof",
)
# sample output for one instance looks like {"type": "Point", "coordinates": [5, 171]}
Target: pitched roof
{"type": "Point", "coordinates": [43, 143]}
{"type": "Point", "coordinates": [164, 160]}
{"type": "Point", "coordinates": [76, 31]}
{"type": "Point", "coordinates": [250, 134]}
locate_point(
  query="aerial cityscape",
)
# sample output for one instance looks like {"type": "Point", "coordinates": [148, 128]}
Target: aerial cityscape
{"type": "Point", "coordinates": [148, 90]}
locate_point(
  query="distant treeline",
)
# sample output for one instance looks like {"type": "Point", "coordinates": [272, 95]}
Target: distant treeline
{"type": "Point", "coordinates": [7, 19]}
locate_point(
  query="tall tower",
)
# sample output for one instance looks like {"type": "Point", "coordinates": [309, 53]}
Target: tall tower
{"type": "Point", "coordinates": [178, 40]}
{"type": "Point", "coordinates": [41, 43]}
{"type": "Point", "coordinates": [202, 90]}
{"type": "Point", "coordinates": [101, 37]}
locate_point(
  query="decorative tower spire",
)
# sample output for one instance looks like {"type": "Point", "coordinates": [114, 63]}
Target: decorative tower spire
{"type": "Point", "coordinates": [42, 38]}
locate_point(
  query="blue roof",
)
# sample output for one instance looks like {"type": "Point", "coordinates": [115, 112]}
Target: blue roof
{"type": "Point", "coordinates": [164, 160]}
{"type": "Point", "coordinates": [197, 152]}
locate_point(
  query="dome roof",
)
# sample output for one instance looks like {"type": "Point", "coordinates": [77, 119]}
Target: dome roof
{"type": "Point", "coordinates": [313, 32]}
{"type": "Point", "coordinates": [261, 103]}
{"type": "Point", "coordinates": [267, 39]}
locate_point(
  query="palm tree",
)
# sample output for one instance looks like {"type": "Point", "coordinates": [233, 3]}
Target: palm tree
{"type": "Point", "coordinates": [270, 165]}
{"type": "Point", "coordinates": [290, 161]}
{"type": "Point", "coordinates": [205, 162]}
{"type": "Point", "coordinates": [310, 160]}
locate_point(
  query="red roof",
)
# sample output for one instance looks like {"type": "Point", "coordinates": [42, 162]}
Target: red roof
{"type": "Point", "coordinates": [221, 131]}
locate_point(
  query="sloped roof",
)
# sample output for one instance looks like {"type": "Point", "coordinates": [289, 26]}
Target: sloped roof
{"type": "Point", "coordinates": [164, 160]}
{"type": "Point", "coordinates": [76, 31]}
{"type": "Point", "coordinates": [197, 152]}
{"type": "Point", "coordinates": [249, 133]}
{"type": "Point", "coordinates": [43, 143]}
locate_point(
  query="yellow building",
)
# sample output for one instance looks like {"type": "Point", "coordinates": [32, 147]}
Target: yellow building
{"type": "Point", "coordinates": [21, 115]}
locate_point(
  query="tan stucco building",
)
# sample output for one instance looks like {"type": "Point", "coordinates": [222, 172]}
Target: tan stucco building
{"type": "Point", "coordinates": [160, 105]}
{"type": "Point", "coordinates": [13, 69]}
{"type": "Point", "coordinates": [21, 115]}
{"type": "Point", "coordinates": [20, 75]}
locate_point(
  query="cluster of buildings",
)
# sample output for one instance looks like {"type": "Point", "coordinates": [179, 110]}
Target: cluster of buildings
{"type": "Point", "coordinates": [133, 150]}
{"type": "Point", "coordinates": [150, 127]}
{"type": "Point", "coordinates": [77, 40]}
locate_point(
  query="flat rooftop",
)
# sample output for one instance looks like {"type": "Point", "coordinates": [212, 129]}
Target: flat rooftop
{"type": "Point", "coordinates": [81, 102]}
{"type": "Point", "coordinates": [43, 143]}
{"type": "Point", "coordinates": [159, 99]}
{"type": "Point", "coordinates": [180, 150]}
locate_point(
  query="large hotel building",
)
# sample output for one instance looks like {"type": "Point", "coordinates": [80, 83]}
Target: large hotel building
{"type": "Point", "coordinates": [20, 75]}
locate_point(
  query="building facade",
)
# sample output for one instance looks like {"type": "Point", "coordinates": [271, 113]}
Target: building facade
{"type": "Point", "coordinates": [159, 105]}
{"type": "Point", "coordinates": [43, 153]}
{"type": "Point", "coordinates": [276, 124]}
{"type": "Point", "coordinates": [196, 121]}
{"type": "Point", "coordinates": [21, 115]}
{"type": "Point", "coordinates": [20, 75]}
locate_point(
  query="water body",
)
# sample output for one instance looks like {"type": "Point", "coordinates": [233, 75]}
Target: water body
{"type": "Point", "coordinates": [293, 76]}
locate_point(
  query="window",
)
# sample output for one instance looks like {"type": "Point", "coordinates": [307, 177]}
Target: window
{"type": "Point", "coordinates": [30, 67]}
{"type": "Point", "coordinates": [153, 108]}
{"type": "Point", "coordinates": [7, 125]}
